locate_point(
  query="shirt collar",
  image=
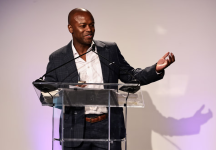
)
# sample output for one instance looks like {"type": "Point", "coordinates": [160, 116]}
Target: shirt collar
{"type": "Point", "coordinates": [75, 53]}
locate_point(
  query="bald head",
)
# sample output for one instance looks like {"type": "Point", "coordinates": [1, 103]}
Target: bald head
{"type": "Point", "coordinates": [81, 26]}
{"type": "Point", "coordinates": [77, 11]}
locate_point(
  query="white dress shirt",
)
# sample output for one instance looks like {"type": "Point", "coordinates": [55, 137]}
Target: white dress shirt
{"type": "Point", "coordinates": [90, 71]}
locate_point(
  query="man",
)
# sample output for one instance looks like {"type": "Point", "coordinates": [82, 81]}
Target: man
{"type": "Point", "coordinates": [94, 69]}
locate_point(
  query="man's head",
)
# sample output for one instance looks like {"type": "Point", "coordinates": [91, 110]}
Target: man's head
{"type": "Point", "coordinates": [81, 26]}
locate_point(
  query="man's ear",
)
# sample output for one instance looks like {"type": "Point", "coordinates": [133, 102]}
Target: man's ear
{"type": "Point", "coordinates": [70, 28]}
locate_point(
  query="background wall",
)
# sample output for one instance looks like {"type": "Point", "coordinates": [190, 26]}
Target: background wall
{"type": "Point", "coordinates": [179, 112]}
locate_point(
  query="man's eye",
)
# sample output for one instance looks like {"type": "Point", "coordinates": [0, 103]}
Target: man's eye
{"type": "Point", "coordinates": [83, 26]}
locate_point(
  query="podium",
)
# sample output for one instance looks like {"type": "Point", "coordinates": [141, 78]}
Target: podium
{"type": "Point", "coordinates": [70, 101]}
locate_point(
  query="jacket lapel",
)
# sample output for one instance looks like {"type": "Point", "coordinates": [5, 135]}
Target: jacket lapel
{"type": "Point", "coordinates": [103, 51]}
{"type": "Point", "coordinates": [72, 75]}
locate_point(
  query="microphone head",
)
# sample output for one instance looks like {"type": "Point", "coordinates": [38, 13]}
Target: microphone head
{"type": "Point", "coordinates": [130, 89]}
{"type": "Point", "coordinates": [43, 87]}
{"type": "Point", "coordinates": [93, 47]}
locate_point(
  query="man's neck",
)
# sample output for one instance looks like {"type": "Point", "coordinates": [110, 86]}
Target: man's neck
{"type": "Point", "coordinates": [81, 48]}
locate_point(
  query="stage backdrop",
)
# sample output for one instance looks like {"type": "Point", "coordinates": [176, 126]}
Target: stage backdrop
{"type": "Point", "coordinates": [180, 109]}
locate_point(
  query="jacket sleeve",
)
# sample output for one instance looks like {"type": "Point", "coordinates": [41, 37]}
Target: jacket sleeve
{"type": "Point", "coordinates": [128, 73]}
{"type": "Point", "coordinates": [51, 77]}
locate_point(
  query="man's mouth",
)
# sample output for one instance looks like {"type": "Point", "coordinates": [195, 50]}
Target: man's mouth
{"type": "Point", "coordinates": [89, 35]}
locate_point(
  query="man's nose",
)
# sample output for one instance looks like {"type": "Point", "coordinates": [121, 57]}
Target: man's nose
{"type": "Point", "coordinates": [88, 28]}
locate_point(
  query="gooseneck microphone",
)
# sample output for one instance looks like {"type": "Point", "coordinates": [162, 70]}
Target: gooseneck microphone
{"type": "Point", "coordinates": [41, 78]}
{"type": "Point", "coordinates": [48, 88]}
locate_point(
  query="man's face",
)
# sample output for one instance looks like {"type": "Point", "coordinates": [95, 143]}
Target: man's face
{"type": "Point", "coordinates": [82, 28]}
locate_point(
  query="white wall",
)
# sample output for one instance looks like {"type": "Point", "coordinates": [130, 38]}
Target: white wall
{"type": "Point", "coordinates": [144, 30]}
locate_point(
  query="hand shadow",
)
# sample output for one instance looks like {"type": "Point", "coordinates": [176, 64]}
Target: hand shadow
{"type": "Point", "coordinates": [155, 121]}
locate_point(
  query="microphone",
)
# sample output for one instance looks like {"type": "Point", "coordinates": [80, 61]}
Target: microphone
{"type": "Point", "coordinates": [129, 89]}
{"type": "Point", "coordinates": [47, 87]}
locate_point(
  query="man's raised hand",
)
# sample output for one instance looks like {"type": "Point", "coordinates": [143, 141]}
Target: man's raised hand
{"type": "Point", "coordinates": [165, 62]}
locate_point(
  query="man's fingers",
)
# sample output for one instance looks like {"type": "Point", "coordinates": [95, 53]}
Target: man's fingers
{"type": "Point", "coordinates": [81, 85]}
{"type": "Point", "coordinates": [170, 59]}
{"type": "Point", "coordinates": [173, 57]}
{"type": "Point", "coordinates": [168, 62]}
{"type": "Point", "coordinates": [165, 55]}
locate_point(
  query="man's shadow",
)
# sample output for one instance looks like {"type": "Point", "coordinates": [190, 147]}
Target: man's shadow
{"type": "Point", "coordinates": [155, 121]}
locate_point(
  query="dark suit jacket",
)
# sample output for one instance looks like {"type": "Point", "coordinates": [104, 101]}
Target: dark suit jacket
{"type": "Point", "coordinates": [111, 74]}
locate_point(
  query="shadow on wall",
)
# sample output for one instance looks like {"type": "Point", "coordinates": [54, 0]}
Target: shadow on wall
{"type": "Point", "coordinates": [155, 121]}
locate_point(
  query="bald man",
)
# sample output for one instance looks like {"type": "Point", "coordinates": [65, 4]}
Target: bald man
{"type": "Point", "coordinates": [94, 69]}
